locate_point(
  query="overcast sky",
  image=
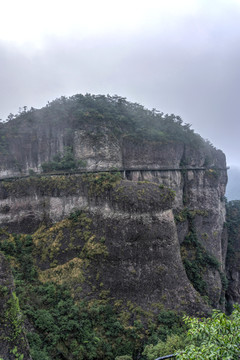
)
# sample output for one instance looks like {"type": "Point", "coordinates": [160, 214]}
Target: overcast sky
{"type": "Point", "coordinates": [178, 56]}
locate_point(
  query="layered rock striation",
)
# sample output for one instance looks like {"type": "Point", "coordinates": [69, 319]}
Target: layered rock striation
{"type": "Point", "coordinates": [159, 206]}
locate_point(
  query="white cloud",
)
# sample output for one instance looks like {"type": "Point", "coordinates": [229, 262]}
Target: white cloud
{"type": "Point", "coordinates": [177, 56]}
{"type": "Point", "coordinates": [31, 21]}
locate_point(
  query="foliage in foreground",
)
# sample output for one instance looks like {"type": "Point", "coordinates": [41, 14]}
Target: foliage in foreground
{"type": "Point", "coordinates": [216, 338]}
{"type": "Point", "coordinates": [170, 346]}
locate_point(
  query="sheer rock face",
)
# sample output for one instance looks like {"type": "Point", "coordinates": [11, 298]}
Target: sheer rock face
{"type": "Point", "coordinates": [12, 336]}
{"type": "Point", "coordinates": [34, 141]}
{"type": "Point", "coordinates": [143, 261]}
{"type": "Point", "coordinates": [144, 236]}
{"type": "Point", "coordinates": [136, 218]}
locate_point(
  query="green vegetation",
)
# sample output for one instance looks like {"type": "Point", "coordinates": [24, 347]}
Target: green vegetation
{"type": "Point", "coordinates": [72, 239]}
{"type": "Point", "coordinates": [125, 118]}
{"type": "Point", "coordinates": [12, 321]}
{"type": "Point", "coordinates": [18, 248]}
{"type": "Point", "coordinates": [86, 330]}
{"type": "Point", "coordinates": [13, 315]}
{"type": "Point", "coordinates": [57, 270]}
{"type": "Point", "coordinates": [67, 326]}
{"type": "Point", "coordinates": [101, 182]}
{"type": "Point", "coordinates": [217, 337]}
{"type": "Point", "coordinates": [195, 258]}
{"type": "Point", "coordinates": [102, 328]}
{"type": "Point", "coordinates": [173, 344]}
{"type": "Point", "coordinates": [187, 214]}
{"type": "Point", "coordinates": [122, 118]}
{"type": "Point", "coordinates": [233, 252]}
{"type": "Point", "coordinates": [233, 227]}
{"type": "Point", "coordinates": [63, 161]}
{"type": "Point", "coordinates": [96, 184]}
{"type": "Point", "coordinates": [17, 355]}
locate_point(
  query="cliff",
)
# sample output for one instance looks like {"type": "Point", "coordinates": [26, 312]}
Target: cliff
{"type": "Point", "coordinates": [138, 215]}
{"type": "Point", "coordinates": [102, 132]}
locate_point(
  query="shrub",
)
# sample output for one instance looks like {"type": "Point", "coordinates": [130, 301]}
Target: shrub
{"type": "Point", "coordinates": [63, 161]}
{"type": "Point", "coordinates": [170, 346]}
{"type": "Point", "coordinates": [217, 337]}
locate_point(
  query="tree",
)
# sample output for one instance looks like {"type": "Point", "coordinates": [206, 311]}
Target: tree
{"type": "Point", "coordinates": [172, 344]}
{"type": "Point", "coordinates": [217, 337]}
{"type": "Point", "coordinates": [63, 161]}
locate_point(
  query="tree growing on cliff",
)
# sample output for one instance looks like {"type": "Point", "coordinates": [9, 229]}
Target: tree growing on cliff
{"type": "Point", "coordinates": [63, 161]}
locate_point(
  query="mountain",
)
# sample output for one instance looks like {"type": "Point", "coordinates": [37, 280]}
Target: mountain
{"type": "Point", "coordinates": [112, 217]}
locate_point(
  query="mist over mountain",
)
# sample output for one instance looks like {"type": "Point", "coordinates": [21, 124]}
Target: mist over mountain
{"type": "Point", "coordinates": [233, 187]}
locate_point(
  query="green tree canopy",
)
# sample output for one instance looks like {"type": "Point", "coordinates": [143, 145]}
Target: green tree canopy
{"type": "Point", "coordinates": [216, 338]}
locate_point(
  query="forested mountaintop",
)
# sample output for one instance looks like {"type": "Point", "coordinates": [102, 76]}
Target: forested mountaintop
{"type": "Point", "coordinates": [99, 132]}
{"type": "Point", "coordinates": [122, 117]}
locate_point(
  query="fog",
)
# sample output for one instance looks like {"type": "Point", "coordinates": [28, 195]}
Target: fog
{"type": "Point", "coordinates": [180, 57]}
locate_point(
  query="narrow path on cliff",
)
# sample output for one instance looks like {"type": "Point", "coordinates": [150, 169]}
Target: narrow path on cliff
{"type": "Point", "coordinates": [125, 172]}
